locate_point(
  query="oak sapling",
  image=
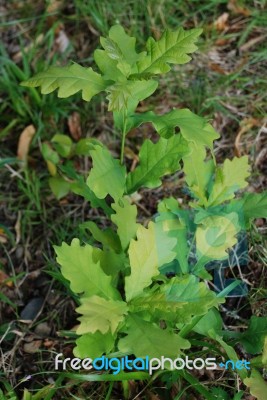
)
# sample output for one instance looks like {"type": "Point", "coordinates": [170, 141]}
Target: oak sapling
{"type": "Point", "coordinates": [124, 292]}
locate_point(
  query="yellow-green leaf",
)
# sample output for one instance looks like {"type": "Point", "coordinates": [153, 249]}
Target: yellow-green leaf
{"type": "Point", "coordinates": [257, 385]}
{"type": "Point", "coordinates": [172, 48]}
{"type": "Point", "coordinates": [229, 178]}
{"type": "Point", "coordinates": [125, 219]}
{"type": "Point", "coordinates": [107, 175]}
{"type": "Point", "coordinates": [147, 339]}
{"type": "Point", "coordinates": [68, 80]}
{"type": "Point", "coordinates": [152, 249]}
{"type": "Point", "coordinates": [79, 266]}
{"type": "Point", "coordinates": [99, 314]}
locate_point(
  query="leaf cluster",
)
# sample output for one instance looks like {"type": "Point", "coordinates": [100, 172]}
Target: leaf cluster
{"type": "Point", "coordinates": [127, 302]}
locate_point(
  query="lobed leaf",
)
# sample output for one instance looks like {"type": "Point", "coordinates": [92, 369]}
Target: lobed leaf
{"type": "Point", "coordinates": [100, 314]}
{"type": "Point", "coordinates": [107, 175]}
{"type": "Point", "coordinates": [254, 205]}
{"type": "Point", "coordinates": [127, 94]}
{"type": "Point", "coordinates": [198, 172]}
{"type": "Point", "coordinates": [151, 250]}
{"type": "Point", "coordinates": [156, 160]}
{"type": "Point", "coordinates": [79, 266]}
{"type": "Point", "coordinates": [93, 345]}
{"type": "Point", "coordinates": [125, 219]}
{"type": "Point", "coordinates": [193, 128]}
{"type": "Point", "coordinates": [257, 385]}
{"type": "Point", "coordinates": [229, 178]}
{"type": "Point", "coordinates": [68, 80]}
{"type": "Point", "coordinates": [215, 235]}
{"type": "Point", "coordinates": [146, 339]}
{"type": "Point", "coordinates": [171, 48]}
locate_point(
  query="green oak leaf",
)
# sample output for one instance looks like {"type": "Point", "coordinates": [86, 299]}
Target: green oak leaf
{"type": "Point", "coordinates": [107, 236]}
{"type": "Point", "coordinates": [257, 385]}
{"type": "Point", "coordinates": [254, 205]}
{"type": "Point", "coordinates": [193, 128]}
{"type": "Point", "coordinates": [215, 235]}
{"type": "Point", "coordinates": [68, 80]}
{"type": "Point", "coordinates": [63, 144]}
{"type": "Point", "coordinates": [211, 320]}
{"type": "Point", "coordinates": [253, 338]}
{"type": "Point", "coordinates": [93, 345]}
{"type": "Point", "coordinates": [156, 160]}
{"type": "Point", "coordinates": [111, 262]}
{"type": "Point", "coordinates": [79, 266]}
{"type": "Point", "coordinates": [152, 249]}
{"type": "Point", "coordinates": [114, 52]}
{"type": "Point", "coordinates": [172, 48]}
{"type": "Point", "coordinates": [126, 44]}
{"type": "Point", "coordinates": [195, 296]}
{"type": "Point", "coordinates": [127, 94]}
{"type": "Point", "coordinates": [140, 91]}
{"type": "Point", "coordinates": [198, 172]}
{"type": "Point", "coordinates": [100, 314]}
{"type": "Point", "coordinates": [125, 219]}
{"type": "Point", "coordinates": [229, 178]}
{"type": "Point", "coordinates": [108, 66]}
{"type": "Point", "coordinates": [107, 175]}
{"type": "Point", "coordinates": [147, 339]}
{"type": "Point", "coordinates": [176, 227]}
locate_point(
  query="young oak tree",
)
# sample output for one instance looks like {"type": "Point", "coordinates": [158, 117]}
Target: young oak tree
{"type": "Point", "coordinates": [124, 291]}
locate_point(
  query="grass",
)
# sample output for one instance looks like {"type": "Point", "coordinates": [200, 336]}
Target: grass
{"type": "Point", "coordinates": [225, 82]}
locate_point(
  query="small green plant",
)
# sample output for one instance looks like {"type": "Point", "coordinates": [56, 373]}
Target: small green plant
{"type": "Point", "coordinates": [128, 304]}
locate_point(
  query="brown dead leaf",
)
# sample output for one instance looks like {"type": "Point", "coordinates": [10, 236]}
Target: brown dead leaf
{"type": "Point", "coordinates": [4, 279]}
{"type": "Point", "coordinates": [237, 8]}
{"type": "Point", "coordinates": [18, 56]}
{"type": "Point", "coordinates": [3, 238]}
{"type": "Point", "coordinates": [217, 68]}
{"type": "Point", "coordinates": [74, 123]}
{"type": "Point", "coordinates": [32, 347]}
{"type": "Point", "coordinates": [245, 126]}
{"type": "Point", "coordinates": [129, 153]}
{"type": "Point", "coordinates": [221, 23]}
{"type": "Point", "coordinates": [49, 343]}
{"type": "Point", "coordinates": [252, 42]}
{"type": "Point", "coordinates": [222, 41]}
{"type": "Point", "coordinates": [25, 141]}
{"type": "Point", "coordinates": [54, 6]}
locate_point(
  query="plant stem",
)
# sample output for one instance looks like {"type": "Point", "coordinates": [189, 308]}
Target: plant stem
{"type": "Point", "coordinates": [188, 328]}
{"type": "Point", "coordinates": [123, 135]}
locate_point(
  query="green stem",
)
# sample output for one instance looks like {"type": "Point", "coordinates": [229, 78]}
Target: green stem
{"type": "Point", "coordinates": [196, 385]}
{"type": "Point", "coordinates": [188, 328]}
{"type": "Point", "coordinates": [124, 133]}
{"type": "Point", "coordinates": [109, 391]}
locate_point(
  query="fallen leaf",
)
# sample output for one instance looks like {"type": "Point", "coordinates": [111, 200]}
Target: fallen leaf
{"type": "Point", "coordinates": [4, 279]}
{"type": "Point", "coordinates": [32, 347]}
{"type": "Point", "coordinates": [233, 5]}
{"type": "Point", "coordinates": [74, 123]}
{"type": "Point", "coordinates": [222, 41]}
{"type": "Point", "coordinates": [18, 56]}
{"type": "Point", "coordinates": [62, 41]}
{"type": "Point", "coordinates": [25, 141]}
{"type": "Point", "coordinates": [217, 68]}
{"type": "Point", "coordinates": [17, 228]}
{"type": "Point", "coordinates": [252, 43]}
{"type": "Point", "coordinates": [245, 126]}
{"type": "Point", "coordinates": [3, 238]}
{"type": "Point", "coordinates": [221, 22]}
